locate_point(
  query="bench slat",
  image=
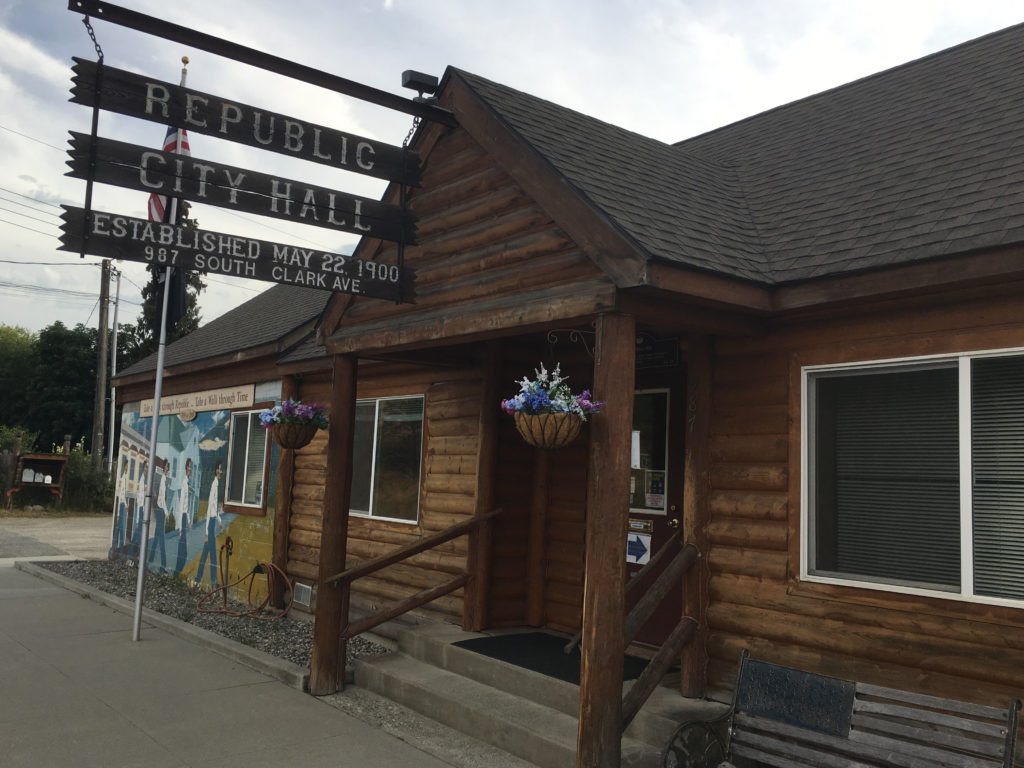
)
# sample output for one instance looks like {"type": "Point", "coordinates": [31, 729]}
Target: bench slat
{"type": "Point", "coordinates": [933, 702]}
{"type": "Point", "coordinates": [930, 755]}
{"type": "Point", "coordinates": [787, 754]}
{"type": "Point", "coordinates": [990, 730]}
{"type": "Point", "coordinates": [754, 730]}
{"type": "Point", "coordinates": [992, 748]}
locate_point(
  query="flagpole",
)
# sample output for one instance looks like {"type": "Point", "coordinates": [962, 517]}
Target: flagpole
{"type": "Point", "coordinates": [140, 584]}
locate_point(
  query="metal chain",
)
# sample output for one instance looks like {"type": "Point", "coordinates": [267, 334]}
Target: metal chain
{"type": "Point", "coordinates": [92, 35]}
{"type": "Point", "coordinates": [412, 130]}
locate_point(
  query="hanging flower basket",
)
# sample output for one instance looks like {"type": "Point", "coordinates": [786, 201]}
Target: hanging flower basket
{"type": "Point", "coordinates": [292, 436]}
{"type": "Point", "coordinates": [548, 431]}
{"type": "Point", "coordinates": [547, 414]}
{"type": "Point", "coordinates": [294, 423]}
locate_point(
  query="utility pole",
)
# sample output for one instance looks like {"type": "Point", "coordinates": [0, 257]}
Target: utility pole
{"type": "Point", "coordinates": [111, 453]}
{"type": "Point", "coordinates": [100, 399]}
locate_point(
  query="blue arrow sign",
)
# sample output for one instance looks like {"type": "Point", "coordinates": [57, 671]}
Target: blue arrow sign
{"type": "Point", "coordinates": [635, 548]}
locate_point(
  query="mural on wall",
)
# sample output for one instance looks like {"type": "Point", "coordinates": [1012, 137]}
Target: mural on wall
{"type": "Point", "coordinates": [189, 525]}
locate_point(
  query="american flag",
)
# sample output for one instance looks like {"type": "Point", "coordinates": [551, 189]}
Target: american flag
{"type": "Point", "coordinates": [158, 203]}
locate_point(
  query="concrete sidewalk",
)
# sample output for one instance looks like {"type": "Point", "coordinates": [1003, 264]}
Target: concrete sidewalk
{"type": "Point", "coordinates": [76, 691]}
{"type": "Point", "coordinates": [85, 537]}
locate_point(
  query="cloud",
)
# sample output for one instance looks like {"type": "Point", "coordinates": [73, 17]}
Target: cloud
{"type": "Point", "coordinates": [212, 444]}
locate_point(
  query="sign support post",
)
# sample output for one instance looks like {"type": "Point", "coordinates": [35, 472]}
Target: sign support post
{"type": "Point", "coordinates": [140, 584]}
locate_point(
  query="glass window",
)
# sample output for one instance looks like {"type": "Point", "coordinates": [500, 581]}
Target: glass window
{"type": "Point", "coordinates": [247, 453]}
{"type": "Point", "coordinates": [908, 466]}
{"type": "Point", "coordinates": [387, 458]}
{"type": "Point", "coordinates": [649, 452]}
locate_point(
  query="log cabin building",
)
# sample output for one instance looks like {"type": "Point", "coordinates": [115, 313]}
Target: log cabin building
{"type": "Point", "coordinates": [808, 327]}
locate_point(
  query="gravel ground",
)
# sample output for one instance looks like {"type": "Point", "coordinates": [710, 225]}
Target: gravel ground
{"type": "Point", "coordinates": [288, 638]}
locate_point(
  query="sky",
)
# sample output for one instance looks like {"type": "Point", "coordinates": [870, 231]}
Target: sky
{"type": "Point", "coordinates": [669, 69]}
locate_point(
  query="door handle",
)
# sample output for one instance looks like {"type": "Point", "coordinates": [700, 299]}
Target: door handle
{"type": "Point", "coordinates": [673, 523]}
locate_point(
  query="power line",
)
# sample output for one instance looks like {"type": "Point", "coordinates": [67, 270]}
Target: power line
{"type": "Point", "coordinates": [79, 263]}
{"type": "Point", "coordinates": [29, 197]}
{"type": "Point", "coordinates": [91, 311]}
{"type": "Point", "coordinates": [33, 138]}
{"type": "Point", "coordinates": [22, 226]}
{"type": "Point", "coordinates": [66, 294]}
{"type": "Point", "coordinates": [233, 285]}
{"type": "Point", "coordinates": [34, 218]}
{"type": "Point", "coordinates": [31, 208]}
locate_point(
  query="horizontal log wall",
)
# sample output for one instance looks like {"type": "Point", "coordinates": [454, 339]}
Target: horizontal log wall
{"type": "Point", "coordinates": [479, 238]}
{"type": "Point", "coordinates": [757, 601]}
{"type": "Point", "coordinates": [446, 492]}
{"type": "Point", "coordinates": [565, 514]}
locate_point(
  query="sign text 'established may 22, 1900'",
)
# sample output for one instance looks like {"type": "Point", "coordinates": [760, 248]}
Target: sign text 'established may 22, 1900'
{"type": "Point", "coordinates": [126, 237]}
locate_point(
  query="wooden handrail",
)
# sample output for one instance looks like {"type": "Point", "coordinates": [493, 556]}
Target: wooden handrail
{"type": "Point", "coordinates": [656, 668]}
{"type": "Point", "coordinates": [637, 578]}
{"type": "Point", "coordinates": [672, 575]}
{"type": "Point", "coordinates": [415, 601]}
{"type": "Point", "coordinates": [350, 629]}
{"type": "Point", "coordinates": [372, 565]}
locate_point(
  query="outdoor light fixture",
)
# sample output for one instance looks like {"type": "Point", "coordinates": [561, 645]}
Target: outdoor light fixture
{"type": "Point", "coordinates": [422, 83]}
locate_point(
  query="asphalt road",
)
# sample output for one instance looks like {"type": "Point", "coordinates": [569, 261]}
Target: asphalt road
{"type": "Point", "coordinates": [54, 538]}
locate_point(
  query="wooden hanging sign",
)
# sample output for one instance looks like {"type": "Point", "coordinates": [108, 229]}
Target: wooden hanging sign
{"type": "Point", "coordinates": [160, 102]}
{"type": "Point", "coordinates": [117, 236]}
{"type": "Point", "coordinates": [204, 181]}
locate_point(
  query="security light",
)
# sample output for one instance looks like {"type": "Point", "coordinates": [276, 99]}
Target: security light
{"type": "Point", "coordinates": [423, 83]}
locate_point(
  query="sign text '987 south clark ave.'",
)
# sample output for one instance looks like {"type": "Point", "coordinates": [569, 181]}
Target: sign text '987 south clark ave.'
{"type": "Point", "coordinates": [126, 237]}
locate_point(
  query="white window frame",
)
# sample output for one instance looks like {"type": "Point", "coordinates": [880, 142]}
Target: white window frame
{"type": "Point", "coordinates": [231, 447]}
{"type": "Point", "coordinates": [963, 362]}
{"type": "Point", "coordinates": [369, 514]}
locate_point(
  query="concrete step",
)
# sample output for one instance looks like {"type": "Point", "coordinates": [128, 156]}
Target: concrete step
{"type": "Point", "coordinates": [528, 714]}
{"type": "Point", "coordinates": [531, 731]}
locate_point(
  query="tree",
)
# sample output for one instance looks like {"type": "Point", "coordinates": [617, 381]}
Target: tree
{"type": "Point", "coordinates": [17, 364]}
{"type": "Point", "coordinates": [132, 344]}
{"type": "Point", "coordinates": [62, 384]}
{"type": "Point", "coordinates": [152, 301]}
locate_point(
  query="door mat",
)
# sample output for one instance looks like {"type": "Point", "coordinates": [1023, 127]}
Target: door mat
{"type": "Point", "coordinates": [541, 652]}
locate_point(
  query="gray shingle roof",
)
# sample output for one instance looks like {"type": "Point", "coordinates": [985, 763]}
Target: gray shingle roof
{"type": "Point", "coordinates": [265, 318]}
{"type": "Point", "coordinates": [917, 162]}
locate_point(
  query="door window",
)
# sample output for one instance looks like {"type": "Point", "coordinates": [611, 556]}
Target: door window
{"type": "Point", "coordinates": [649, 452]}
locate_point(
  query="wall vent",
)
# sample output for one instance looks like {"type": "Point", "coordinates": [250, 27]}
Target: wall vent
{"type": "Point", "coordinates": [303, 594]}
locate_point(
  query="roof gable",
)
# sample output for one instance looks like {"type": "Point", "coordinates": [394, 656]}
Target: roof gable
{"type": "Point", "coordinates": [915, 163]}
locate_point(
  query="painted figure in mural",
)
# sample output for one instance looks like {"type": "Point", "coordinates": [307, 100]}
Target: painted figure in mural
{"type": "Point", "coordinates": [140, 506]}
{"type": "Point", "coordinates": [183, 517]}
{"type": "Point", "coordinates": [160, 517]}
{"type": "Point", "coordinates": [121, 512]}
{"type": "Point", "coordinates": [213, 525]}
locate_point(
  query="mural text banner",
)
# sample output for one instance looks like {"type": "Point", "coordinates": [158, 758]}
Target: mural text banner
{"type": "Point", "coordinates": [226, 399]}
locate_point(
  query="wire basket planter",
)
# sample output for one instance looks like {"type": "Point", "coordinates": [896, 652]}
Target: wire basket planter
{"type": "Point", "coordinates": [294, 436]}
{"type": "Point", "coordinates": [548, 431]}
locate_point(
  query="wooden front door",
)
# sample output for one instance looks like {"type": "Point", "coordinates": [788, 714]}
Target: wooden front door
{"type": "Point", "coordinates": [656, 487]}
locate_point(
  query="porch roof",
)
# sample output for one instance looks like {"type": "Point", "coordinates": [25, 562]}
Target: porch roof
{"type": "Point", "coordinates": [269, 318]}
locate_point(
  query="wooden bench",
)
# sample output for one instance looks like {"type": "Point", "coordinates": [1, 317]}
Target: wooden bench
{"type": "Point", "coordinates": [787, 718]}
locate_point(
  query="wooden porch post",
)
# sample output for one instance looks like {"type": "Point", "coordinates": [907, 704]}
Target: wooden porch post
{"type": "Point", "coordinates": [283, 499]}
{"type": "Point", "coordinates": [602, 647]}
{"type": "Point", "coordinates": [535, 549]}
{"type": "Point", "coordinates": [327, 667]}
{"type": "Point", "coordinates": [478, 559]}
{"type": "Point", "coordinates": [696, 485]}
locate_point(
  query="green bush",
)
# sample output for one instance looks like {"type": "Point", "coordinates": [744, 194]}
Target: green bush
{"type": "Point", "coordinates": [28, 438]}
{"type": "Point", "coordinates": [86, 489]}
